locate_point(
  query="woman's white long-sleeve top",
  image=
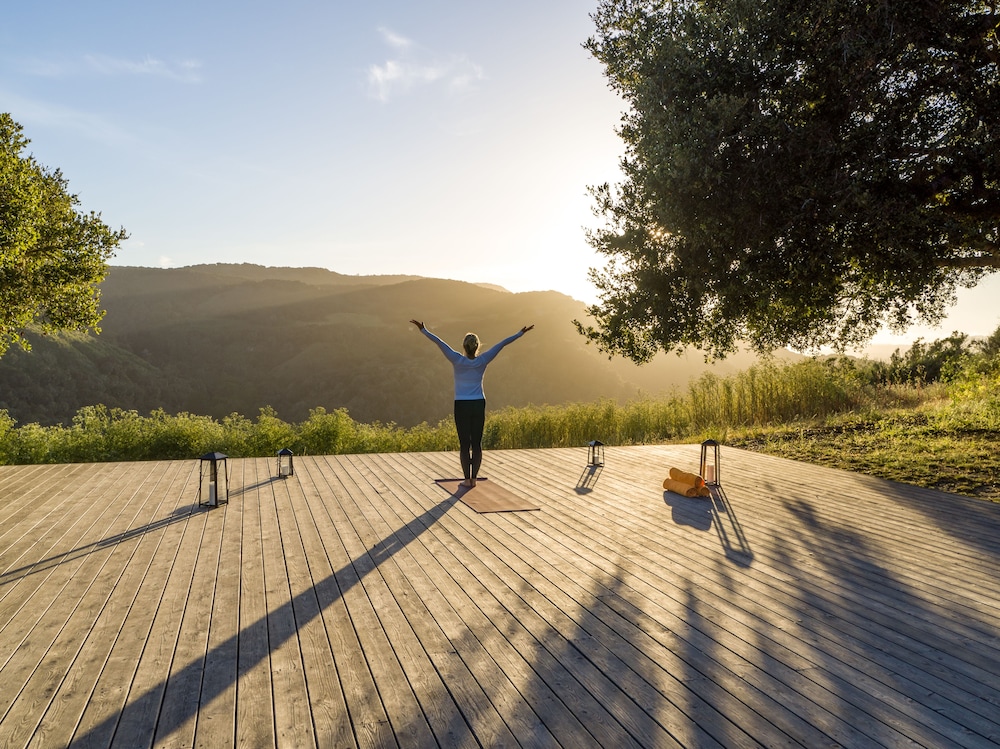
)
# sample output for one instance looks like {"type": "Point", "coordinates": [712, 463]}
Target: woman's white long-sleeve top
{"type": "Point", "coordinates": [469, 372]}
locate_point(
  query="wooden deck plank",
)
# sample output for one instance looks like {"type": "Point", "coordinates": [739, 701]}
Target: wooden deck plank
{"type": "Point", "coordinates": [348, 549]}
{"type": "Point", "coordinates": [369, 722]}
{"type": "Point", "coordinates": [328, 708]}
{"type": "Point", "coordinates": [903, 701]}
{"type": "Point", "coordinates": [182, 695]}
{"type": "Point", "coordinates": [474, 638]}
{"type": "Point", "coordinates": [639, 662]}
{"type": "Point", "coordinates": [571, 619]}
{"type": "Point", "coordinates": [57, 616]}
{"type": "Point", "coordinates": [486, 692]}
{"type": "Point", "coordinates": [38, 553]}
{"type": "Point", "coordinates": [72, 695]}
{"type": "Point", "coordinates": [488, 622]}
{"type": "Point", "coordinates": [292, 717]}
{"type": "Point", "coordinates": [835, 619]}
{"type": "Point", "coordinates": [842, 686]}
{"type": "Point", "coordinates": [254, 688]}
{"type": "Point", "coordinates": [683, 610]}
{"type": "Point", "coordinates": [402, 569]}
{"type": "Point", "coordinates": [160, 540]}
{"type": "Point", "coordinates": [614, 718]}
{"type": "Point", "coordinates": [840, 592]}
{"type": "Point", "coordinates": [414, 643]}
{"type": "Point", "coordinates": [356, 604]}
{"type": "Point", "coordinates": [404, 667]}
{"type": "Point", "coordinates": [139, 720]}
{"type": "Point", "coordinates": [33, 495]}
{"type": "Point", "coordinates": [216, 716]}
{"type": "Point", "coordinates": [601, 588]}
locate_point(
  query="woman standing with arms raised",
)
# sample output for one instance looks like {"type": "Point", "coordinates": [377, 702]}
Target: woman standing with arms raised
{"type": "Point", "coordinates": [470, 400]}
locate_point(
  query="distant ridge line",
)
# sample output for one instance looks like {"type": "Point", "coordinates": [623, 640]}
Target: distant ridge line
{"type": "Point", "coordinates": [313, 275]}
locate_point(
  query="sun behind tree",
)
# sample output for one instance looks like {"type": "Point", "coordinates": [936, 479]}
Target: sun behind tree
{"type": "Point", "coordinates": [796, 173]}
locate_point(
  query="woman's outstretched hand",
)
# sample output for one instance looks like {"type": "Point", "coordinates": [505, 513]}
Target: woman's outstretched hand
{"type": "Point", "coordinates": [419, 324]}
{"type": "Point", "coordinates": [526, 328]}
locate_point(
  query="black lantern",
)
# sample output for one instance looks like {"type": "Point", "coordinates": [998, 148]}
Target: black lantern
{"type": "Point", "coordinates": [213, 480]}
{"type": "Point", "coordinates": [285, 466]}
{"type": "Point", "coordinates": [595, 453]}
{"type": "Point", "coordinates": [710, 462]}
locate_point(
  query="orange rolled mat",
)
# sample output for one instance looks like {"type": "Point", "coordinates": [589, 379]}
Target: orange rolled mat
{"type": "Point", "coordinates": [691, 479]}
{"type": "Point", "coordinates": [678, 487]}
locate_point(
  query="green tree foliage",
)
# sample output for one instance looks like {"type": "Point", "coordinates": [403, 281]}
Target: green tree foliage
{"type": "Point", "coordinates": [52, 256]}
{"type": "Point", "coordinates": [796, 173]}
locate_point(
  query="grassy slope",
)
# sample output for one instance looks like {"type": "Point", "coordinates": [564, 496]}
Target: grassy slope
{"type": "Point", "coordinates": [920, 446]}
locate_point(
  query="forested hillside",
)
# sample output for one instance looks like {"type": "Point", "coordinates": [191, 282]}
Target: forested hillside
{"type": "Point", "coordinates": [218, 339]}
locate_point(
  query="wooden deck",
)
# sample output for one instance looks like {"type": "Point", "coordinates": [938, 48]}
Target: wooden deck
{"type": "Point", "coordinates": [358, 604]}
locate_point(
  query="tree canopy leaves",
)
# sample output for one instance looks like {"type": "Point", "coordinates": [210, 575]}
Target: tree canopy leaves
{"type": "Point", "coordinates": [796, 173]}
{"type": "Point", "coordinates": [52, 256]}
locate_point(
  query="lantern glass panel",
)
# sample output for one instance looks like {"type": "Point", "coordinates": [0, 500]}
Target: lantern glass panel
{"type": "Point", "coordinates": [596, 453]}
{"type": "Point", "coordinates": [213, 480]}
{"type": "Point", "coordinates": [285, 466]}
{"type": "Point", "coordinates": [709, 466]}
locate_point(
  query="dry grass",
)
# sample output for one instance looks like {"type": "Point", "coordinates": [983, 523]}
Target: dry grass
{"type": "Point", "coordinates": [921, 447]}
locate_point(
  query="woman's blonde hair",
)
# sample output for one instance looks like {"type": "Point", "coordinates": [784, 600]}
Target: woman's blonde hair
{"type": "Point", "coordinates": [471, 344]}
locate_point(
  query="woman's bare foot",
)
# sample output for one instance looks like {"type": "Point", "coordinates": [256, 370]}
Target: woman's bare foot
{"type": "Point", "coordinates": [469, 483]}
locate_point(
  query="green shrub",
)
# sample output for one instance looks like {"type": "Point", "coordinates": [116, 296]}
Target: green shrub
{"type": "Point", "coordinates": [924, 363]}
{"type": "Point", "coordinates": [763, 395]}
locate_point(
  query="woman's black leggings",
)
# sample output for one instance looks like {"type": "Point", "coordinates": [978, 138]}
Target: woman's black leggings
{"type": "Point", "coordinates": [470, 419]}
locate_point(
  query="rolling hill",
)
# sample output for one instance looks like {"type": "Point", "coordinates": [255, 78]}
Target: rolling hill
{"type": "Point", "coordinates": [219, 339]}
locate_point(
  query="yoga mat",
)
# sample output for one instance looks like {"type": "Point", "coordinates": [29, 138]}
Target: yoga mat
{"type": "Point", "coordinates": [691, 479]}
{"type": "Point", "coordinates": [485, 496]}
{"type": "Point", "coordinates": [685, 489]}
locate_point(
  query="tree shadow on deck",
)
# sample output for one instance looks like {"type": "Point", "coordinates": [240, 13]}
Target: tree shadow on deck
{"type": "Point", "coordinates": [897, 661]}
{"type": "Point", "coordinates": [823, 640]}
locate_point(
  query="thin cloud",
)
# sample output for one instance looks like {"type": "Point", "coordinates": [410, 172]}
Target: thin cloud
{"type": "Point", "coordinates": [413, 67]}
{"type": "Point", "coordinates": [184, 71]}
{"type": "Point", "coordinates": [394, 40]}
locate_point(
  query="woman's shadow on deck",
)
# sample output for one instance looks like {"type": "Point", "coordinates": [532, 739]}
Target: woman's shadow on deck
{"type": "Point", "coordinates": [324, 592]}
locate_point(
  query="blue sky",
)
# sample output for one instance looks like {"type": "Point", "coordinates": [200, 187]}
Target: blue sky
{"type": "Point", "coordinates": [445, 138]}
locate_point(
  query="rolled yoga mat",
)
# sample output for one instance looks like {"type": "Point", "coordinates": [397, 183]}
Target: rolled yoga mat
{"type": "Point", "coordinates": [691, 479]}
{"type": "Point", "coordinates": [686, 484]}
{"type": "Point", "coordinates": [677, 487]}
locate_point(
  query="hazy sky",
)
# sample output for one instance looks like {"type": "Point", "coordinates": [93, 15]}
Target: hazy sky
{"type": "Point", "coordinates": [445, 138]}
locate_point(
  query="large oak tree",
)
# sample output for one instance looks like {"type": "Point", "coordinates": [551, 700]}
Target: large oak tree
{"type": "Point", "coordinates": [52, 255]}
{"type": "Point", "coordinates": [796, 172]}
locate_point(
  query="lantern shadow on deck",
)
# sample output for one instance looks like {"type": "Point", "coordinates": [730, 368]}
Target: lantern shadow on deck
{"type": "Point", "coordinates": [591, 472]}
{"type": "Point", "coordinates": [213, 480]}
